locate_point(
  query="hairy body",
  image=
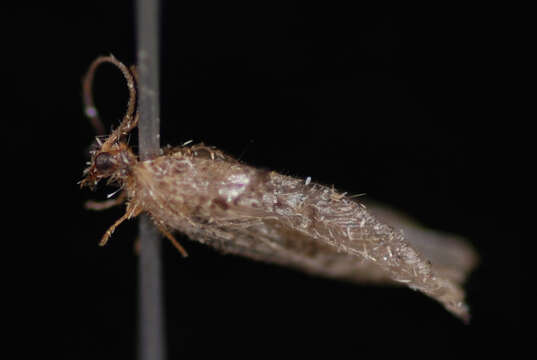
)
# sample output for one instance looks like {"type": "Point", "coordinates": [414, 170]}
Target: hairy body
{"type": "Point", "coordinates": [217, 200]}
{"type": "Point", "coordinates": [236, 208]}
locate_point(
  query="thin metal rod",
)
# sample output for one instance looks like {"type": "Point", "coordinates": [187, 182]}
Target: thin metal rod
{"type": "Point", "coordinates": [151, 331]}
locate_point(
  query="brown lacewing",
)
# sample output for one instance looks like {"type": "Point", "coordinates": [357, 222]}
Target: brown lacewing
{"type": "Point", "coordinates": [215, 199]}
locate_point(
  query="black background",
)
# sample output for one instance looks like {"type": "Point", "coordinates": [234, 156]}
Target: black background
{"type": "Point", "coordinates": [395, 102]}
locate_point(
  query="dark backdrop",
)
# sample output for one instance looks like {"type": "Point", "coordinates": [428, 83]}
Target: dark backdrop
{"type": "Point", "coordinates": [395, 102]}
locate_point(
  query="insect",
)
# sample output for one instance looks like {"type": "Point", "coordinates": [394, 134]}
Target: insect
{"type": "Point", "coordinates": [217, 200]}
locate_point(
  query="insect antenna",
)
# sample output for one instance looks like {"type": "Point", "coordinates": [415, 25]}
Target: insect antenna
{"type": "Point", "coordinates": [130, 119]}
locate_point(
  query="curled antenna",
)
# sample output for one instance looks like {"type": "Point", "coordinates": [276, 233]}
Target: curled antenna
{"type": "Point", "coordinates": [130, 119]}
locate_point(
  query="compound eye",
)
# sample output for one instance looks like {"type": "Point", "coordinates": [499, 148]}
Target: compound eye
{"type": "Point", "coordinates": [104, 162]}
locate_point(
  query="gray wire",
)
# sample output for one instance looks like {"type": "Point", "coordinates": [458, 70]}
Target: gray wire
{"type": "Point", "coordinates": [151, 330]}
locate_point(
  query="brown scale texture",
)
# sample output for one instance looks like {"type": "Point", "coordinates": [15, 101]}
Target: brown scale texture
{"type": "Point", "coordinates": [214, 199]}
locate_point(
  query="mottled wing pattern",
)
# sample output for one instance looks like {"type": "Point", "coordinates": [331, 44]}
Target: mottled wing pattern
{"type": "Point", "coordinates": [271, 217]}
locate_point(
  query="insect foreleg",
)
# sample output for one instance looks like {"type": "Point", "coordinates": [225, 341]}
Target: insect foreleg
{"type": "Point", "coordinates": [106, 204]}
{"type": "Point", "coordinates": [131, 212]}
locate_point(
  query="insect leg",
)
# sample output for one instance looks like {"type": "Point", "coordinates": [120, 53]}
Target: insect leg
{"type": "Point", "coordinates": [106, 204]}
{"type": "Point", "coordinates": [130, 213]}
{"type": "Point", "coordinates": [170, 237]}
